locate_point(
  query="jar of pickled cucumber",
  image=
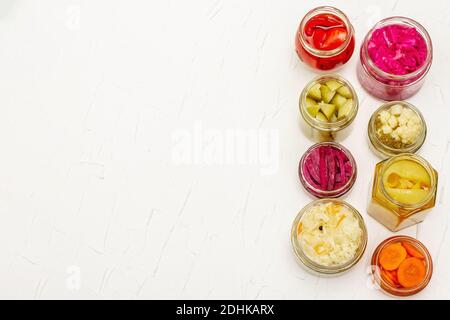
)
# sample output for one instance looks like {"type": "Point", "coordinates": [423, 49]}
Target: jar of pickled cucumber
{"type": "Point", "coordinates": [403, 192]}
{"type": "Point", "coordinates": [328, 105]}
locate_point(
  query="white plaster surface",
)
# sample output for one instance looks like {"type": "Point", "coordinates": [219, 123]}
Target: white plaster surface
{"type": "Point", "coordinates": [93, 97]}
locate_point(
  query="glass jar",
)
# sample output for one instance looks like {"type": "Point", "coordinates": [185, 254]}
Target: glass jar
{"type": "Point", "coordinates": [403, 192]}
{"type": "Point", "coordinates": [325, 57]}
{"type": "Point", "coordinates": [404, 131]}
{"type": "Point", "coordinates": [353, 256]}
{"type": "Point", "coordinates": [389, 86]}
{"type": "Point", "coordinates": [339, 166]}
{"type": "Point", "coordinates": [388, 280]}
{"type": "Point", "coordinates": [322, 131]}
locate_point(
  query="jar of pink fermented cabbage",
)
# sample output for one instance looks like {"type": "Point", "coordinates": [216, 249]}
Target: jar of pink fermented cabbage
{"type": "Point", "coordinates": [395, 58]}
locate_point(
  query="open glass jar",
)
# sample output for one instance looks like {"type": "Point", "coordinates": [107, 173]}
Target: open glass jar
{"type": "Point", "coordinates": [402, 266]}
{"type": "Point", "coordinates": [396, 127]}
{"type": "Point", "coordinates": [404, 191]}
{"type": "Point", "coordinates": [328, 237]}
{"type": "Point", "coordinates": [328, 104]}
{"type": "Point", "coordinates": [395, 58]}
{"type": "Point", "coordinates": [325, 39]}
{"type": "Point", "coordinates": [327, 170]}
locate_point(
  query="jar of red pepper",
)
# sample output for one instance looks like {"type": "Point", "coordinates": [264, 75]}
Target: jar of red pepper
{"type": "Point", "coordinates": [325, 39]}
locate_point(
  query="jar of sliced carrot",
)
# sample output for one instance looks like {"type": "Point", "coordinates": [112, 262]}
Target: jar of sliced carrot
{"type": "Point", "coordinates": [402, 266]}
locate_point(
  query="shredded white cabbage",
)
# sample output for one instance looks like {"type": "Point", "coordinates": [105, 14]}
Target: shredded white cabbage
{"type": "Point", "coordinates": [330, 234]}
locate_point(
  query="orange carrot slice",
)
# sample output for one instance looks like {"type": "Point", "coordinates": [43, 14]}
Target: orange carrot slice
{"type": "Point", "coordinates": [392, 256]}
{"type": "Point", "coordinates": [340, 220]}
{"type": "Point", "coordinates": [388, 278]}
{"type": "Point", "coordinates": [412, 251]}
{"type": "Point", "coordinates": [411, 273]}
{"type": "Point", "coordinates": [391, 277]}
{"type": "Point", "coordinates": [394, 276]}
{"type": "Point", "coordinates": [299, 228]}
{"type": "Point", "coordinates": [334, 208]}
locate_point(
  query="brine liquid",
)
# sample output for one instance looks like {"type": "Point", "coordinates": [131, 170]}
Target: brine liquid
{"type": "Point", "coordinates": [325, 32]}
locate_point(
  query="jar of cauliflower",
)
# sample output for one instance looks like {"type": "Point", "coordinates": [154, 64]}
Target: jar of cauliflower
{"type": "Point", "coordinates": [329, 236]}
{"type": "Point", "coordinates": [395, 128]}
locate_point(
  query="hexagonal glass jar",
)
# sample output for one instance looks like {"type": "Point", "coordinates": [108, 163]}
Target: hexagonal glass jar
{"type": "Point", "coordinates": [396, 206]}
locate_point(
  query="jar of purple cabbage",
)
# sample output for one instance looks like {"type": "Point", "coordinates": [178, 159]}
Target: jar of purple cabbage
{"type": "Point", "coordinates": [327, 170]}
{"type": "Point", "coordinates": [395, 58]}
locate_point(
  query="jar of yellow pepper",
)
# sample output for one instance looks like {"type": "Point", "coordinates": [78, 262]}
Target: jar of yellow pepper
{"type": "Point", "coordinates": [403, 192]}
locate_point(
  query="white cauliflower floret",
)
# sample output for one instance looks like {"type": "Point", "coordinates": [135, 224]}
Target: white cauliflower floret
{"type": "Point", "coordinates": [402, 120]}
{"type": "Point", "coordinates": [409, 135]}
{"type": "Point", "coordinates": [413, 121]}
{"type": "Point", "coordinates": [396, 110]}
{"type": "Point", "coordinates": [408, 113]}
{"type": "Point", "coordinates": [415, 133]}
{"type": "Point", "coordinates": [401, 123]}
{"type": "Point", "coordinates": [393, 123]}
{"type": "Point", "coordinates": [395, 135]}
{"type": "Point", "coordinates": [384, 116]}
{"type": "Point", "coordinates": [400, 131]}
{"type": "Point", "coordinates": [387, 129]}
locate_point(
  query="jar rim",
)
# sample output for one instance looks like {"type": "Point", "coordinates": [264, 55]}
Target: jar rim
{"type": "Point", "coordinates": [384, 284]}
{"type": "Point", "coordinates": [400, 20]}
{"type": "Point", "coordinates": [332, 193]}
{"type": "Point", "coordinates": [326, 53]}
{"type": "Point", "coordinates": [328, 126]}
{"type": "Point", "coordinates": [421, 161]}
{"type": "Point", "coordinates": [390, 151]}
{"type": "Point", "coordinates": [313, 266]}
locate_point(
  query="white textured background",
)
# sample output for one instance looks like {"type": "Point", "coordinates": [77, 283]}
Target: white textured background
{"type": "Point", "coordinates": [92, 203]}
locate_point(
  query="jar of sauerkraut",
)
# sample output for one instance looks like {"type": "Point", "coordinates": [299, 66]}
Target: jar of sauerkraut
{"type": "Point", "coordinates": [395, 58]}
{"type": "Point", "coordinates": [328, 237]}
{"type": "Point", "coordinates": [404, 191]}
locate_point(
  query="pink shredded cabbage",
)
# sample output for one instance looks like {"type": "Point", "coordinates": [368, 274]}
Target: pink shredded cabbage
{"type": "Point", "coordinates": [327, 168]}
{"type": "Point", "coordinates": [397, 49]}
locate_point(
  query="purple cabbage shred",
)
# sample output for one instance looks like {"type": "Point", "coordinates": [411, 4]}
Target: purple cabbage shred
{"type": "Point", "coordinates": [327, 168]}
